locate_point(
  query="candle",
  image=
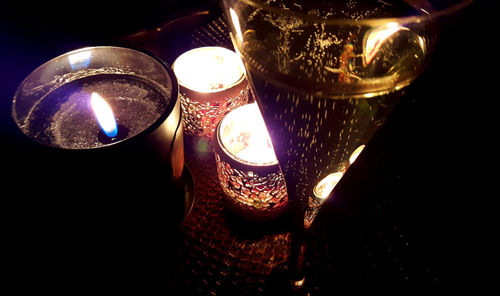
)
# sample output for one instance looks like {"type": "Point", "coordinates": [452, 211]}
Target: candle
{"type": "Point", "coordinates": [53, 105]}
{"type": "Point", "coordinates": [247, 167]}
{"type": "Point", "coordinates": [212, 83]}
{"type": "Point", "coordinates": [104, 123]}
{"type": "Point", "coordinates": [100, 180]}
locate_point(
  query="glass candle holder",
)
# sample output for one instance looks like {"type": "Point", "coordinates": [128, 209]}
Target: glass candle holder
{"type": "Point", "coordinates": [212, 83]}
{"type": "Point", "coordinates": [247, 167]}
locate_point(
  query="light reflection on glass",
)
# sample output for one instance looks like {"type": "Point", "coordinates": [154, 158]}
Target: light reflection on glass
{"type": "Point", "coordinates": [356, 153]}
{"type": "Point", "coordinates": [374, 39]}
{"type": "Point", "coordinates": [324, 187]}
{"type": "Point", "coordinates": [80, 60]}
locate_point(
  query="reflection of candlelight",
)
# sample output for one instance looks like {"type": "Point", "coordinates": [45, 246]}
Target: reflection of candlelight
{"type": "Point", "coordinates": [237, 26]}
{"type": "Point", "coordinates": [376, 37]}
{"type": "Point", "coordinates": [356, 153]}
{"type": "Point", "coordinates": [247, 166]}
{"type": "Point", "coordinates": [212, 83]}
{"type": "Point", "coordinates": [324, 187]}
{"type": "Point", "coordinates": [321, 192]}
{"type": "Point", "coordinates": [80, 59]}
{"type": "Point", "coordinates": [104, 115]}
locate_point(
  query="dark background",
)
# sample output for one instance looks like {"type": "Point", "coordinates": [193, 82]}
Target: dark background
{"type": "Point", "coordinates": [437, 148]}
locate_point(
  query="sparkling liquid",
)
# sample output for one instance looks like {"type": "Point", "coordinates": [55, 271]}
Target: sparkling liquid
{"type": "Point", "coordinates": [313, 136]}
{"type": "Point", "coordinates": [324, 89]}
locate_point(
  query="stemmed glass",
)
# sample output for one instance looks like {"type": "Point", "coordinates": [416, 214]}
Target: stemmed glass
{"type": "Point", "coordinates": [325, 75]}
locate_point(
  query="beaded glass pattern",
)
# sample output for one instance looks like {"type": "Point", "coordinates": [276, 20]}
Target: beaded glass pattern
{"type": "Point", "coordinates": [258, 196]}
{"type": "Point", "coordinates": [200, 118]}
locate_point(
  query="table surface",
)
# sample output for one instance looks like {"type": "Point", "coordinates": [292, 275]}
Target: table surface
{"type": "Point", "coordinates": [397, 222]}
{"type": "Point", "coordinates": [388, 227]}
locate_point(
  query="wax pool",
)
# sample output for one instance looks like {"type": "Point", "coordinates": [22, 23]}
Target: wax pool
{"type": "Point", "coordinates": [64, 117]}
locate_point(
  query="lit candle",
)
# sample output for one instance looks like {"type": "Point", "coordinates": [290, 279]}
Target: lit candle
{"type": "Point", "coordinates": [100, 170]}
{"type": "Point", "coordinates": [102, 114]}
{"type": "Point", "coordinates": [69, 101]}
{"type": "Point", "coordinates": [212, 83]}
{"type": "Point", "coordinates": [247, 167]}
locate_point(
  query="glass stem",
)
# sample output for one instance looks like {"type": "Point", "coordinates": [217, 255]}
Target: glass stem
{"type": "Point", "coordinates": [298, 259]}
{"type": "Point", "coordinates": [303, 219]}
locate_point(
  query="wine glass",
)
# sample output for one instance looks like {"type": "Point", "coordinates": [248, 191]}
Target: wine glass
{"type": "Point", "coordinates": [325, 75]}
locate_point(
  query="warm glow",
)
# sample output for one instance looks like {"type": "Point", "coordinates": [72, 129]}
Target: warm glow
{"type": "Point", "coordinates": [421, 42]}
{"type": "Point", "coordinates": [325, 186]}
{"type": "Point", "coordinates": [374, 39]}
{"type": "Point", "coordinates": [208, 69]}
{"type": "Point", "coordinates": [236, 25]}
{"type": "Point", "coordinates": [244, 134]}
{"type": "Point", "coordinates": [104, 115]}
{"type": "Point", "coordinates": [356, 153]}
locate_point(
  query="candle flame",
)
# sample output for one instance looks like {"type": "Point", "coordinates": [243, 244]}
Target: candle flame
{"type": "Point", "coordinates": [325, 187]}
{"type": "Point", "coordinates": [104, 115]}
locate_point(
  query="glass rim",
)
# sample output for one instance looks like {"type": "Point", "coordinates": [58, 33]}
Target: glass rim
{"type": "Point", "coordinates": [366, 21]}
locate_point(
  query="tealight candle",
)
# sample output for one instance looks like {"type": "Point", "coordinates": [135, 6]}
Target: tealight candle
{"type": "Point", "coordinates": [247, 167]}
{"type": "Point", "coordinates": [212, 83]}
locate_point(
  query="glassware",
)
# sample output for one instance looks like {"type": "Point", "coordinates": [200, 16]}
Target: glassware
{"type": "Point", "coordinates": [325, 75]}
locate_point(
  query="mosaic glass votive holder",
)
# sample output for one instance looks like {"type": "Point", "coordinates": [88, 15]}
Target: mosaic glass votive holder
{"type": "Point", "coordinates": [250, 176]}
{"type": "Point", "coordinates": [212, 82]}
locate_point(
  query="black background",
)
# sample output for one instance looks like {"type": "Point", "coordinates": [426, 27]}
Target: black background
{"type": "Point", "coordinates": [439, 144]}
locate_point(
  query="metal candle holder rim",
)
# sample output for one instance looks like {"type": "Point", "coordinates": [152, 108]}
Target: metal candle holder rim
{"type": "Point", "coordinates": [143, 134]}
{"type": "Point", "coordinates": [238, 163]}
{"type": "Point", "coordinates": [221, 94]}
